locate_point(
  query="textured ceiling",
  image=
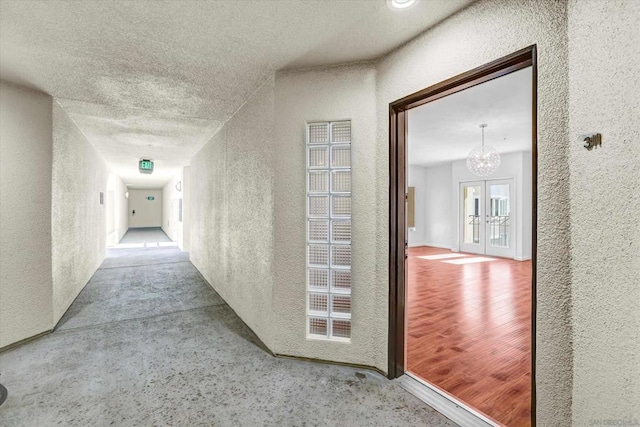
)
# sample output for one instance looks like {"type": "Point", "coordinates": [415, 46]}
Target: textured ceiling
{"type": "Point", "coordinates": [158, 78]}
{"type": "Point", "coordinates": [448, 128]}
{"type": "Point", "coordinates": [124, 135]}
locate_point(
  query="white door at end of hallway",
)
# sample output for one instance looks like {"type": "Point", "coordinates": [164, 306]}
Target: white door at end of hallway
{"type": "Point", "coordinates": [487, 217]}
{"type": "Point", "coordinates": [145, 208]}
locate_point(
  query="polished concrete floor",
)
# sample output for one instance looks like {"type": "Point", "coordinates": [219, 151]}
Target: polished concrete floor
{"type": "Point", "coordinates": [148, 342]}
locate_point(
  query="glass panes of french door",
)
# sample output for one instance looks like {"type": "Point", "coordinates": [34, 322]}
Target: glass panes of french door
{"type": "Point", "coordinates": [471, 204]}
{"type": "Point", "coordinates": [329, 230]}
{"type": "Point", "coordinates": [499, 216]}
{"type": "Point", "coordinates": [487, 217]}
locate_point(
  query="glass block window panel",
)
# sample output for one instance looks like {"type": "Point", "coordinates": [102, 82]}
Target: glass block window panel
{"type": "Point", "coordinates": [340, 206]}
{"type": "Point", "coordinates": [319, 182]}
{"type": "Point", "coordinates": [318, 279]}
{"type": "Point", "coordinates": [341, 132]}
{"type": "Point", "coordinates": [329, 230]}
{"type": "Point", "coordinates": [341, 328]}
{"type": "Point", "coordinates": [341, 156]}
{"type": "Point", "coordinates": [341, 256]}
{"type": "Point", "coordinates": [318, 326]}
{"type": "Point", "coordinates": [340, 281]}
{"type": "Point", "coordinates": [341, 181]}
{"type": "Point", "coordinates": [340, 303]}
{"type": "Point", "coordinates": [318, 255]}
{"type": "Point", "coordinates": [318, 157]}
{"type": "Point", "coordinates": [319, 303]}
{"type": "Point", "coordinates": [341, 231]}
{"type": "Point", "coordinates": [318, 133]}
{"type": "Point", "coordinates": [318, 206]}
{"type": "Point", "coordinates": [318, 230]}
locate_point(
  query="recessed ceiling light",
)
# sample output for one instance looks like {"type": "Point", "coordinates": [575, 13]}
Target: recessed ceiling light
{"type": "Point", "coordinates": [401, 4]}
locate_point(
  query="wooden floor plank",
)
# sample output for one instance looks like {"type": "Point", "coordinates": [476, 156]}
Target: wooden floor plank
{"type": "Point", "coordinates": [469, 332]}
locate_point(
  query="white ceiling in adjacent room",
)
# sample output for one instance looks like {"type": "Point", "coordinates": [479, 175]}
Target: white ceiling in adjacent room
{"type": "Point", "coordinates": [158, 78]}
{"type": "Point", "coordinates": [449, 128]}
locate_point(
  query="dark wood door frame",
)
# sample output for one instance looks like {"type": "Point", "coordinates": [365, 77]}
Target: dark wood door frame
{"type": "Point", "coordinates": [398, 189]}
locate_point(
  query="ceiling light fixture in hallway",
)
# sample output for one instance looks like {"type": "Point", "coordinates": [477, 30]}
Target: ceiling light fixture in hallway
{"type": "Point", "coordinates": [401, 4]}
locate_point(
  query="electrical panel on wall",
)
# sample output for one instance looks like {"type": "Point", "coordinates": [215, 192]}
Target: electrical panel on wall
{"type": "Point", "coordinates": [329, 230]}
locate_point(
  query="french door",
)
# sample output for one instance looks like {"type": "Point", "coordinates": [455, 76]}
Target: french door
{"type": "Point", "coordinates": [487, 217]}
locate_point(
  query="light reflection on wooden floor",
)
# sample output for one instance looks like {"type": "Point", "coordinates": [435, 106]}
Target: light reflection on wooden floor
{"type": "Point", "coordinates": [469, 331]}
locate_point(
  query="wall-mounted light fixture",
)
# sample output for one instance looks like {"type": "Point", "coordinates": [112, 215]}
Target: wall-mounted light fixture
{"type": "Point", "coordinates": [179, 186]}
{"type": "Point", "coordinates": [126, 195]}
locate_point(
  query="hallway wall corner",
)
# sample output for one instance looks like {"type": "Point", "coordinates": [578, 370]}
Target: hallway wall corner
{"type": "Point", "coordinates": [78, 219]}
{"type": "Point", "coordinates": [25, 214]}
{"type": "Point", "coordinates": [230, 212]}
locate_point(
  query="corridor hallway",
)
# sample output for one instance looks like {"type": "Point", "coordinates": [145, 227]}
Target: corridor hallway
{"type": "Point", "coordinates": [148, 342]}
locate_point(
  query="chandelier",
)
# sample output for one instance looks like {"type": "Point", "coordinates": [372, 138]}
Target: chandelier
{"type": "Point", "coordinates": [483, 160]}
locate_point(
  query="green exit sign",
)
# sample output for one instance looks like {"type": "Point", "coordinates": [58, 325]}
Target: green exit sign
{"type": "Point", "coordinates": [145, 166]}
{"type": "Point", "coordinates": [150, 198]}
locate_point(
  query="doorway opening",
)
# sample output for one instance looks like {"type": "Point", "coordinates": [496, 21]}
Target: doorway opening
{"type": "Point", "coordinates": [462, 244]}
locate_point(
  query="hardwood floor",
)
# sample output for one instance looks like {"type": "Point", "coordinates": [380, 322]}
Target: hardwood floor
{"type": "Point", "coordinates": [469, 331]}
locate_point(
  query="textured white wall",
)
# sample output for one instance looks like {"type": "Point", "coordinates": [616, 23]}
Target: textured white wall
{"type": "Point", "coordinates": [170, 209]}
{"type": "Point", "coordinates": [148, 212]}
{"type": "Point", "coordinates": [110, 210]}
{"type": "Point", "coordinates": [25, 214]}
{"type": "Point", "coordinates": [438, 198]}
{"type": "Point", "coordinates": [433, 215]}
{"type": "Point", "coordinates": [485, 31]}
{"type": "Point", "coordinates": [230, 189]}
{"type": "Point", "coordinates": [439, 219]}
{"type": "Point", "coordinates": [604, 96]}
{"type": "Point", "coordinates": [78, 220]}
{"type": "Point", "coordinates": [121, 206]}
{"type": "Point", "coordinates": [186, 209]}
{"type": "Point", "coordinates": [327, 94]}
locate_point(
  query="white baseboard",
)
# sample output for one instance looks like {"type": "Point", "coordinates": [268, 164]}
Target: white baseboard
{"type": "Point", "coordinates": [522, 258]}
{"type": "Point", "coordinates": [416, 245]}
{"type": "Point", "coordinates": [433, 245]}
{"type": "Point", "coordinates": [447, 405]}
